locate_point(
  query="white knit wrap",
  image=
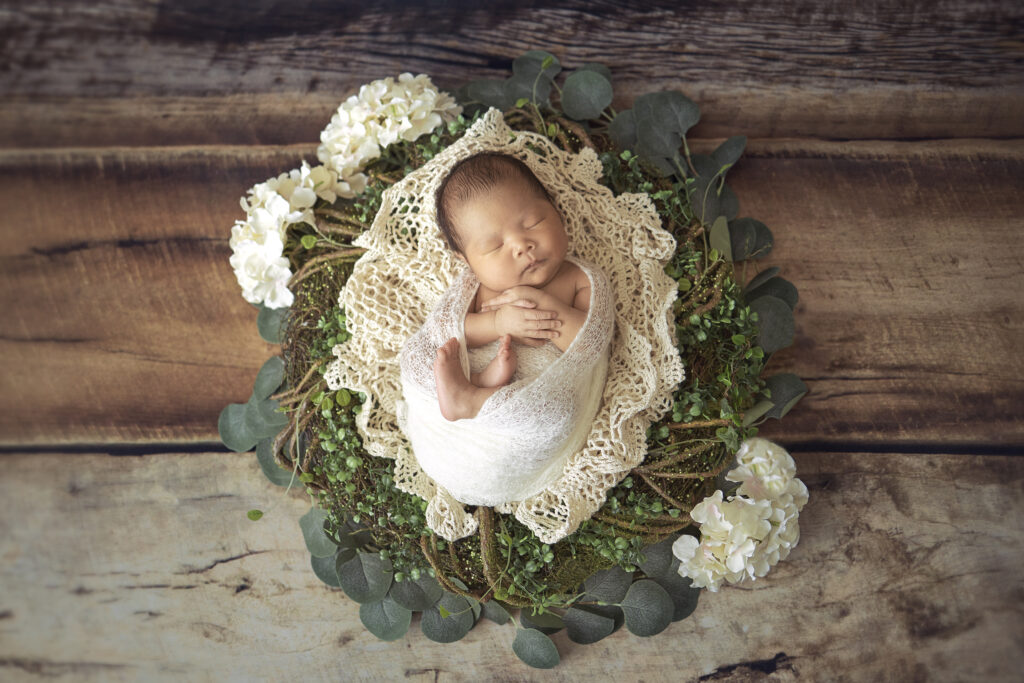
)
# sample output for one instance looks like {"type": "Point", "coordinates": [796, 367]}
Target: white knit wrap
{"type": "Point", "coordinates": [407, 268]}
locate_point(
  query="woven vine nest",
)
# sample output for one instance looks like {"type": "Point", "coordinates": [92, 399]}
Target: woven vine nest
{"type": "Point", "coordinates": [686, 450]}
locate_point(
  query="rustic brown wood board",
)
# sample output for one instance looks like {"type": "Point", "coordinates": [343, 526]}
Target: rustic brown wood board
{"type": "Point", "coordinates": [886, 154]}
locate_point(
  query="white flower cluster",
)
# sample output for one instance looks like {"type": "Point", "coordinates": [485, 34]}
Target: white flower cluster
{"type": "Point", "coordinates": [744, 536]}
{"type": "Point", "coordinates": [383, 112]}
{"type": "Point", "coordinates": [257, 243]}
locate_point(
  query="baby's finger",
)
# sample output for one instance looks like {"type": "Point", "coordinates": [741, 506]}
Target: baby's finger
{"type": "Point", "coordinates": [539, 315]}
{"type": "Point", "coordinates": [544, 324]}
{"type": "Point", "coordinates": [545, 334]}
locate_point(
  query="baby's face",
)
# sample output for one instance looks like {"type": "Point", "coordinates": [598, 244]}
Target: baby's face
{"type": "Point", "coordinates": [511, 236]}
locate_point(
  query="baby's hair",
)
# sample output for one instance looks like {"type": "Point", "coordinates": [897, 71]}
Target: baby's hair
{"type": "Point", "coordinates": [470, 178]}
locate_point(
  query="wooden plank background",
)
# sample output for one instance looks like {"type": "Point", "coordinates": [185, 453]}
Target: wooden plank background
{"type": "Point", "coordinates": [886, 154]}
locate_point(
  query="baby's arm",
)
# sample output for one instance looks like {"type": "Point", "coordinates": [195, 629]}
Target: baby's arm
{"type": "Point", "coordinates": [522, 323]}
{"type": "Point", "coordinates": [525, 298]}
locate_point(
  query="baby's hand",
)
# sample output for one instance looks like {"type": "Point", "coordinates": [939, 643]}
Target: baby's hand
{"type": "Point", "coordinates": [522, 296]}
{"type": "Point", "coordinates": [525, 323]}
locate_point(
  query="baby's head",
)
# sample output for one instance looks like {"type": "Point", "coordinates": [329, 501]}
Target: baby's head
{"type": "Point", "coordinates": [496, 216]}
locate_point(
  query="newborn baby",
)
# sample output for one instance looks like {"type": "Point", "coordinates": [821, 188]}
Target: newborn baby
{"type": "Point", "coordinates": [499, 220]}
{"type": "Point", "coordinates": [496, 426]}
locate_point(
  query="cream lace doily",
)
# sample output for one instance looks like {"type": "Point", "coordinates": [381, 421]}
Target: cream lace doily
{"type": "Point", "coordinates": [401, 277]}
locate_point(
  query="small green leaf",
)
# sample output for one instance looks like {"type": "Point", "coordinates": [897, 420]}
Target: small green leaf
{"type": "Point", "coordinates": [254, 515]}
{"type": "Point", "coordinates": [585, 95]}
{"type": "Point", "coordinates": [720, 238]}
{"type": "Point", "coordinates": [535, 648]}
{"type": "Point", "coordinates": [233, 428]}
{"type": "Point", "coordinates": [365, 577]}
{"type": "Point", "coordinates": [774, 322]}
{"type": "Point", "coordinates": [269, 378]}
{"type": "Point", "coordinates": [308, 241]}
{"type": "Point", "coordinates": [648, 608]}
{"type": "Point", "coordinates": [270, 323]}
{"type": "Point", "coordinates": [385, 618]}
{"type": "Point", "coordinates": [444, 612]}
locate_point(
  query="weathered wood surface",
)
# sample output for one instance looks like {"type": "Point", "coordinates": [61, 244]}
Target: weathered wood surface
{"type": "Point", "coordinates": [147, 569]}
{"type": "Point", "coordinates": [128, 72]}
{"type": "Point", "coordinates": [125, 324]}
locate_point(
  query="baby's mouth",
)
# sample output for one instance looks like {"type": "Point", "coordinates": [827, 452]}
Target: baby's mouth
{"type": "Point", "coordinates": [533, 266]}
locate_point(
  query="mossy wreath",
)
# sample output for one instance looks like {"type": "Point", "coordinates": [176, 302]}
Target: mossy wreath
{"type": "Point", "coordinates": [635, 561]}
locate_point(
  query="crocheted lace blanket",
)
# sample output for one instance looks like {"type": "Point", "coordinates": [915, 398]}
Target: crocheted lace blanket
{"type": "Point", "coordinates": [518, 443]}
{"type": "Point", "coordinates": [407, 268]}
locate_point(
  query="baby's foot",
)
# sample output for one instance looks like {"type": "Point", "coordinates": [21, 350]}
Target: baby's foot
{"type": "Point", "coordinates": [501, 368]}
{"type": "Point", "coordinates": [458, 398]}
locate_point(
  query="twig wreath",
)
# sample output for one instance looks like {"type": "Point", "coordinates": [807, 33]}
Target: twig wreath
{"type": "Point", "coordinates": [709, 503]}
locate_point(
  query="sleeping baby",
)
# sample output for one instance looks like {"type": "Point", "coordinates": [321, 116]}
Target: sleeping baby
{"type": "Point", "coordinates": [517, 360]}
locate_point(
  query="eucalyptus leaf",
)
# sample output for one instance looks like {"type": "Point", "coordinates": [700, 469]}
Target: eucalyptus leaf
{"type": "Point", "coordinates": [535, 648]}
{"type": "Point", "coordinates": [318, 542]}
{"type": "Point", "coordinates": [703, 197]}
{"type": "Point", "coordinates": [490, 92]}
{"type": "Point", "coordinates": [263, 419]}
{"type": "Point", "coordinates": [742, 238]}
{"type": "Point", "coordinates": [365, 578]}
{"type": "Point", "coordinates": [597, 68]}
{"type": "Point", "coordinates": [326, 569]}
{"type": "Point", "coordinates": [728, 202]}
{"type": "Point", "coordinates": [269, 378]}
{"type": "Point", "coordinates": [385, 618]}
{"type": "Point", "coordinates": [658, 557]}
{"type": "Point", "coordinates": [670, 110]}
{"type": "Point", "coordinates": [658, 137]}
{"type": "Point", "coordinates": [548, 622]}
{"type": "Point", "coordinates": [585, 626]}
{"type": "Point", "coordinates": [496, 612]}
{"type": "Point", "coordinates": [729, 152]}
{"type": "Point", "coordinates": [704, 165]}
{"type": "Point", "coordinates": [774, 322]}
{"type": "Point", "coordinates": [760, 278]}
{"type": "Point", "coordinates": [536, 63]}
{"type": "Point", "coordinates": [585, 95]}
{"type": "Point", "coordinates": [680, 589]}
{"type": "Point", "coordinates": [786, 389]}
{"type": "Point", "coordinates": [454, 626]}
{"type": "Point", "coordinates": [526, 87]}
{"type": "Point", "coordinates": [756, 411]}
{"type": "Point", "coordinates": [623, 130]}
{"type": "Point", "coordinates": [417, 594]}
{"type": "Point", "coordinates": [720, 238]}
{"type": "Point", "coordinates": [750, 237]}
{"type": "Point", "coordinates": [268, 464]}
{"type": "Point", "coordinates": [648, 608]}
{"type": "Point", "coordinates": [473, 603]}
{"type": "Point", "coordinates": [270, 323]}
{"type": "Point", "coordinates": [778, 287]}
{"type": "Point", "coordinates": [607, 585]}
{"type": "Point", "coordinates": [233, 428]}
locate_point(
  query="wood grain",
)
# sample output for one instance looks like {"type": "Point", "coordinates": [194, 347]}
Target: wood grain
{"type": "Point", "coordinates": [126, 326]}
{"type": "Point", "coordinates": [147, 568]}
{"type": "Point", "coordinates": [129, 72]}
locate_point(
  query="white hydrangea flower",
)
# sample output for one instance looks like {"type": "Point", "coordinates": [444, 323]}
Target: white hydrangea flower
{"type": "Point", "coordinates": [764, 469]}
{"type": "Point", "coordinates": [381, 113]}
{"type": "Point", "coordinates": [746, 535]}
{"type": "Point", "coordinates": [262, 271]}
